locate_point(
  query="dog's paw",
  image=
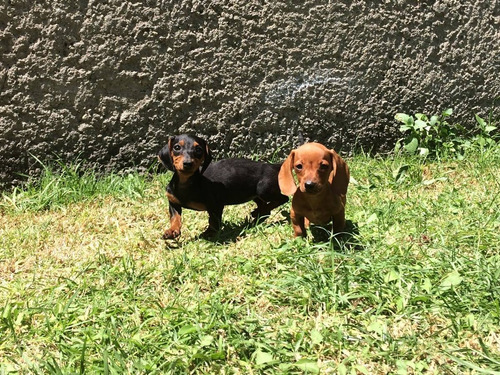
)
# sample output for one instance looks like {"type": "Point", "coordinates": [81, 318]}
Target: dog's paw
{"type": "Point", "coordinates": [209, 233]}
{"type": "Point", "coordinates": [170, 234]}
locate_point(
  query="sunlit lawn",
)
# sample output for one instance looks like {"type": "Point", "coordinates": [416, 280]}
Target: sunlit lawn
{"type": "Point", "coordinates": [87, 285]}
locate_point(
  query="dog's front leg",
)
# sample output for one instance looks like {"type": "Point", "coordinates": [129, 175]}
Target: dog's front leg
{"type": "Point", "coordinates": [174, 231]}
{"type": "Point", "coordinates": [298, 224]}
{"type": "Point", "coordinates": [339, 221]}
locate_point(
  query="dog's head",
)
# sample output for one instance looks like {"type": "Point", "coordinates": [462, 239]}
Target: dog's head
{"type": "Point", "coordinates": [316, 167]}
{"type": "Point", "coordinates": [185, 154]}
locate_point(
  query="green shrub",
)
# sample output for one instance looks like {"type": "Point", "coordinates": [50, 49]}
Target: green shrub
{"type": "Point", "coordinates": [435, 136]}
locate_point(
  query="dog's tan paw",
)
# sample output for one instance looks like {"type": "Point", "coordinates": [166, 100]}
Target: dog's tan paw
{"type": "Point", "coordinates": [170, 234]}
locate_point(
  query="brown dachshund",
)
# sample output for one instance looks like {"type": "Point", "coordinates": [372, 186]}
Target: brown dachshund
{"type": "Point", "coordinates": [200, 185]}
{"type": "Point", "coordinates": [323, 177]}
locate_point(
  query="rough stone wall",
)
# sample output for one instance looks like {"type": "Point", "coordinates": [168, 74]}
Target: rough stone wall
{"type": "Point", "coordinates": [109, 81]}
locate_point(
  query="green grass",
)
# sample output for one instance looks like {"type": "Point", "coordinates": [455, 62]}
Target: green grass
{"type": "Point", "coordinates": [88, 286]}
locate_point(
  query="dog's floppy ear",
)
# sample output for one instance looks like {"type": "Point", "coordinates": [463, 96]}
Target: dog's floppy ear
{"type": "Point", "coordinates": [164, 155]}
{"type": "Point", "coordinates": [208, 155]}
{"type": "Point", "coordinates": [339, 177]}
{"type": "Point", "coordinates": [285, 177]}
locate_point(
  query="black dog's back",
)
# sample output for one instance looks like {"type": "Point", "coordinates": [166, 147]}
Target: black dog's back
{"type": "Point", "coordinates": [241, 180]}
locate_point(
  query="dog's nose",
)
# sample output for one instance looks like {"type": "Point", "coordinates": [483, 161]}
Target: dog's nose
{"type": "Point", "coordinates": [310, 185]}
{"type": "Point", "coordinates": [187, 164]}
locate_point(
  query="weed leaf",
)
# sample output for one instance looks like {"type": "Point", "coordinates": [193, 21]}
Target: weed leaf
{"type": "Point", "coordinates": [420, 124]}
{"type": "Point", "coordinates": [186, 330]}
{"type": "Point", "coordinates": [206, 340]}
{"type": "Point", "coordinates": [316, 337]}
{"type": "Point", "coordinates": [451, 280]}
{"type": "Point", "coordinates": [403, 117]}
{"type": "Point", "coordinates": [263, 357]}
{"type": "Point", "coordinates": [448, 112]}
{"type": "Point", "coordinates": [427, 285]}
{"type": "Point", "coordinates": [411, 146]}
{"type": "Point", "coordinates": [377, 326]}
{"type": "Point", "coordinates": [392, 275]}
{"type": "Point", "coordinates": [342, 369]}
{"type": "Point", "coordinates": [480, 121]}
{"type": "Point", "coordinates": [423, 151]}
{"type": "Point", "coordinates": [307, 365]}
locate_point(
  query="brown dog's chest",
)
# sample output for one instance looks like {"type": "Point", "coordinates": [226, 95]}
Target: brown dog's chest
{"type": "Point", "coordinates": [317, 209]}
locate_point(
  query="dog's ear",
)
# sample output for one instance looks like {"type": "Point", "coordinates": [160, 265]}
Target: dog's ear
{"type": "Point", "coordinates": [208, 158]}
{"type": "Point", "coordinates": [207, 153]}
{"type": "Point", "coordinates": [164, 155]}
{"type": "Point", "coordinates": [285, 177]}
{"type": "Point", "coordinates": [339, 176]}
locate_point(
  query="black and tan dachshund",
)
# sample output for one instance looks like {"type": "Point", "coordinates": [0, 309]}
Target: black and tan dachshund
{"type": "Point", "coordinates": [201, 185]}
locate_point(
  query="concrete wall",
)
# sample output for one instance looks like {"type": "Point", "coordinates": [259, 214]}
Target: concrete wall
{"type": "Point", "coordinates": [109, 81]}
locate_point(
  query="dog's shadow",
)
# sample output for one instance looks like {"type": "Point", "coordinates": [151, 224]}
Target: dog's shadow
{"type": "Point", "coordinates": [233, 232]}
{"type": "Point", "coordinates": [347, 239]}
{"type": "Point", "coordinates": [323, 233]}
{"type": "Point", "coordinates": [229, 233]}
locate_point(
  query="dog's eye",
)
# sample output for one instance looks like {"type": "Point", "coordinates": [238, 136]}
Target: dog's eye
{"type": "Point", "coordinates": [198, 152]}
{"type": "Point", "coordinates": [323, 167]}
{"type": "Point", "coordinates": [298, 167]}
{"type": "Point", "coordinates": [177, 148]}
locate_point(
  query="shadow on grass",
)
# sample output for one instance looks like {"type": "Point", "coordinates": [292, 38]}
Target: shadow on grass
{"type": "Point", "coordinates": [344, 240]}
{"type": "Point", "coordinates": [232, 232]}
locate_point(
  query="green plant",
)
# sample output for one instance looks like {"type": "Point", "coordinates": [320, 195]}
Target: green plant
{"type": "Point", "coordinates": [435, 136]}
{"type": "Point", "coordinates": [485, 137]}
{"type": "Point", "coordinates": [427, 136]}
